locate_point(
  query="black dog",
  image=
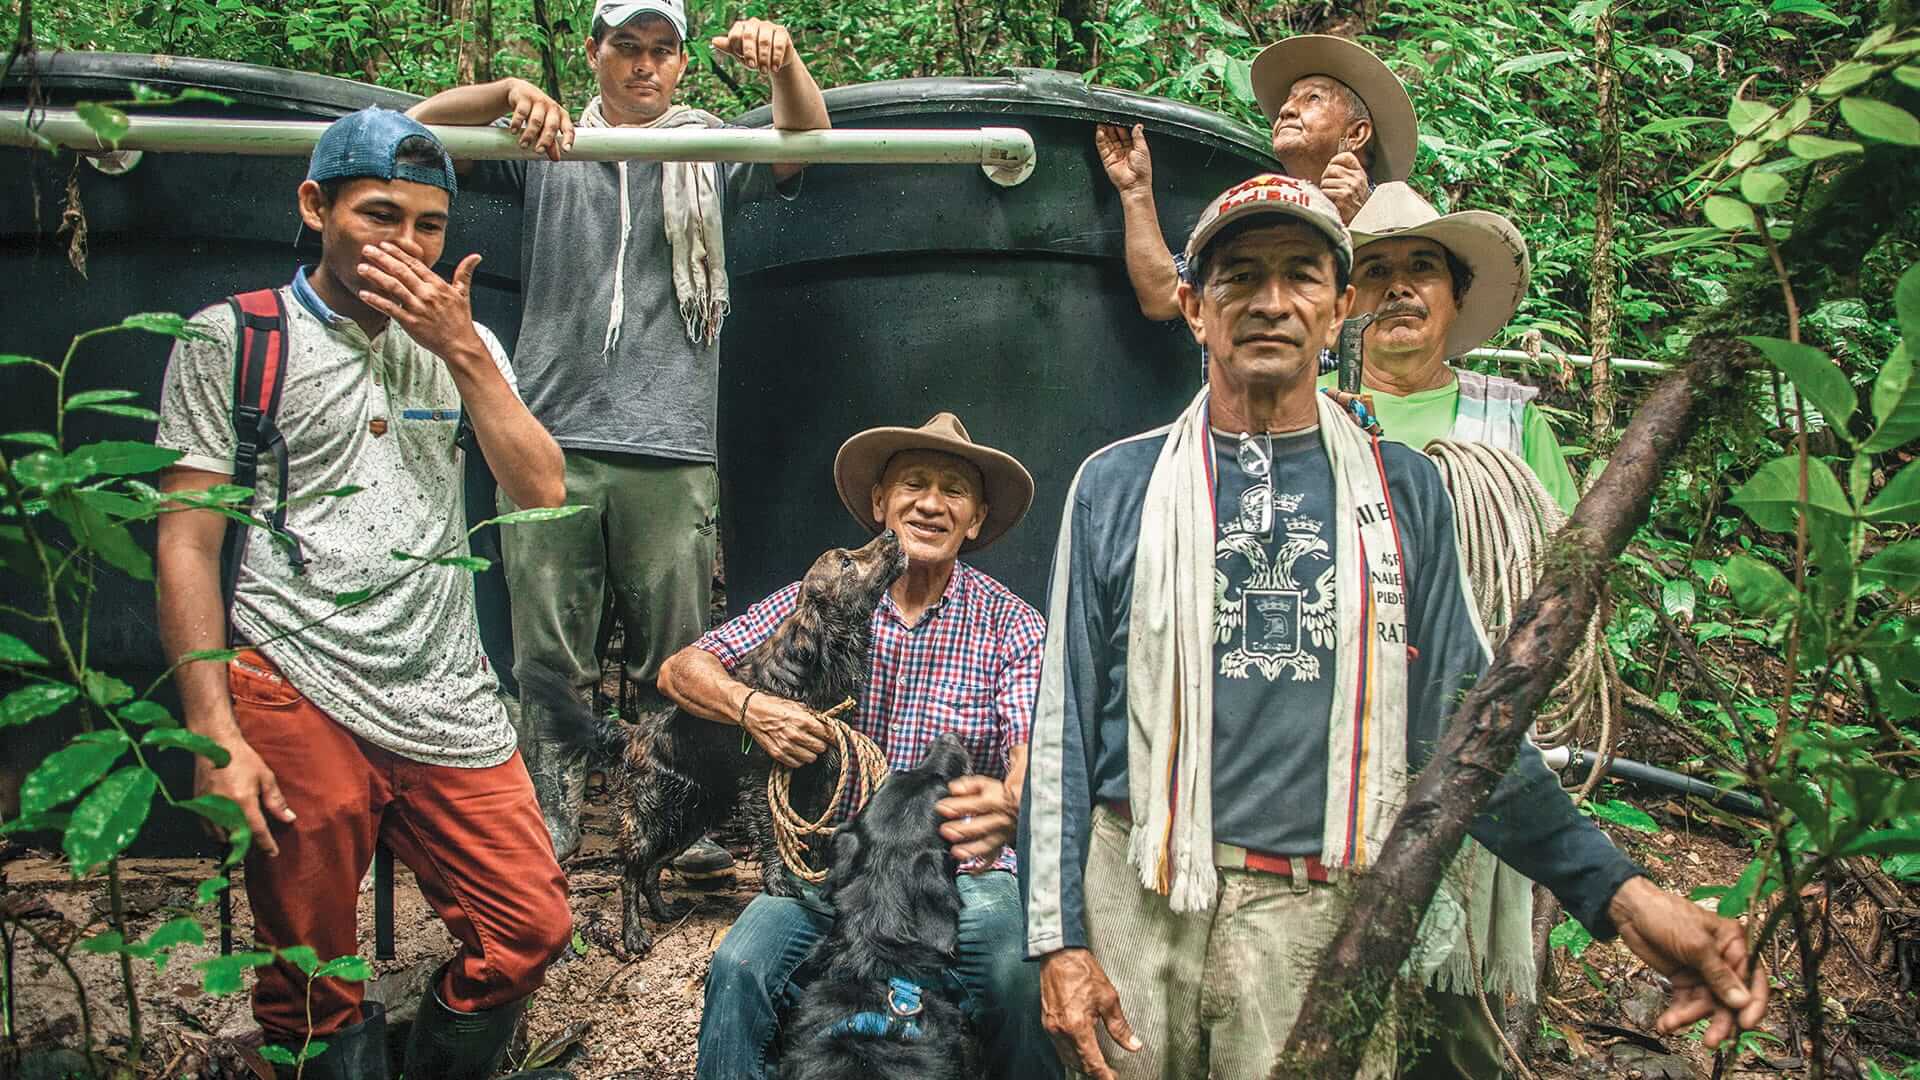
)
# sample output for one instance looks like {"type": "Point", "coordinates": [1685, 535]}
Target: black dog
{"type": "Point", "coordinates": [881, 1009]}
{"type": "Point", "coordinates": [678, 781]}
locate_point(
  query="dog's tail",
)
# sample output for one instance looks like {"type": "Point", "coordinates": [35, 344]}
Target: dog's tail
{"type": "Point", "coordinates": [577, 728]}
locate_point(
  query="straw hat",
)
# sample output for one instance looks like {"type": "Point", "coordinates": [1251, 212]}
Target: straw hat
{"type": "Point", "coordinates": [1489, 244]}
{"type": "Point", "coordinates": [1396, 134]}
{"type": "Point", "coordinates": [862, 461]}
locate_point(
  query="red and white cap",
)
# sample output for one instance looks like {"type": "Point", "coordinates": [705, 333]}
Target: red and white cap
{"type": "Point", "coordinates": [1272, 193]}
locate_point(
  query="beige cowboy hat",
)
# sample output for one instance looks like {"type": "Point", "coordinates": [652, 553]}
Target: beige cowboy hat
{"type": "Point", "coordinates": [862, 461]}
{"type": "Point", "coordinates": [1396, 134]}
{"type": "Point", "coordinates": [1489, 244]}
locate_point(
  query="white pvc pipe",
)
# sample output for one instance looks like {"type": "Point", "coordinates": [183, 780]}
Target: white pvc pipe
{"type": "Point", "coordinates": [1005, 154]}
{"type": "Point", "coordinates": [1622, 362]}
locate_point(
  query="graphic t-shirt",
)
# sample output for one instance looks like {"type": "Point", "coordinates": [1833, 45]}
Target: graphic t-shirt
{"type": "Point", "coordinates": [1273, 643]}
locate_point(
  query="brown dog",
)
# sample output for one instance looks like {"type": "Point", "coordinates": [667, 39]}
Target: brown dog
{"type": "Point", "coordinates": [682, 779]}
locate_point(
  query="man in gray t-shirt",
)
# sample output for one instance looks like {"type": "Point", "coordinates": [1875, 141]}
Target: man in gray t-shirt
{"type": "Point", "coordinates": [623, 271]}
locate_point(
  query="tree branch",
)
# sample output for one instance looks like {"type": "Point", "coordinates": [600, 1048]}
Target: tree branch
{"type": "Point", "coordinates": [1347, 996]}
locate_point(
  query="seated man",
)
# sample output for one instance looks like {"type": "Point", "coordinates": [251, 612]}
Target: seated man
{"type": "Point", "coordinates": [1439, 286]}
{"type": "Point", "coordinates": [383, 725]}
{"type": "Point", "coordinates": [954, 652]}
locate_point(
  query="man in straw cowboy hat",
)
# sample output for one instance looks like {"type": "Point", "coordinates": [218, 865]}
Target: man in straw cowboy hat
{"type": "Point", "coordinates": [954, 652]}
{"type": "Point", "coordinates": [1438, 286]}
{"type": "Point", "coordinates": [1257, 629]}
{"type": "Point", "coordinates": [1339, 118]}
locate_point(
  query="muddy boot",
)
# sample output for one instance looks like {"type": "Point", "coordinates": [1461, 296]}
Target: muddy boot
{"type": "Point", "coordinates": [704, 861]}
{"type": "Point", "coordinates": [352, 1053]}
{"type": "Point", "coordinates": [450, 1045]}
{"type": "Point", "coordinates": [559, 778]}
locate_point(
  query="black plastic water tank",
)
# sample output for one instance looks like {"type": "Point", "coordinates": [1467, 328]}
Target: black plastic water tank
{"type": "Point", "coordinates": [884, 294]}
{"type": "Point", "coordinates": [176, 233]}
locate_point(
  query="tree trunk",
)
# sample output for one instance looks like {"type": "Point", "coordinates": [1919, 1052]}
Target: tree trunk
{"type": "Point", "coordinates": [1840, 226]}
{"type": "Point", "coordinates": [460, 16]}
{"type": "Point", "coordinates": [1600, 313]}
{"type": "Point", "coordinates": [1352, 986]}
{"type": "Point", "coordinates": [483, 71]}
{"type": "Point", "coordinates": [549, 62]}
{"type": "Point", "coordinates": [1082, 53]}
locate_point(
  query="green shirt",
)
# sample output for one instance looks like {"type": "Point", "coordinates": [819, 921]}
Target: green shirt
{"type": "Point", "coordinates": [1419, 418]}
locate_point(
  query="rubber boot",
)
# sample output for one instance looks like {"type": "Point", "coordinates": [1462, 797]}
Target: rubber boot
{"type": "Point", "coordinates": [559, 777]}
{"type": "Point", "coordinates": [449, 1045]}
{"type": "Point", "coordinates": [352, 1053]}
{"type": "Point", "coordinates": [704, 860]}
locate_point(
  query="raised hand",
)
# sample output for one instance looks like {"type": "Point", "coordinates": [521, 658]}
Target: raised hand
{"type": "Point", "coordinates": [761, 45]}
{"type": "Point", "coordinates": [980, 820]}
{"type": "Point", "coordinates": [1345, 182]}
{"type": "Point", "coordinates": [435, 313]}
{"type": "Point", "coordinates": [541, 122]}
{"type": "Point", "coordinates": [1125, 156]}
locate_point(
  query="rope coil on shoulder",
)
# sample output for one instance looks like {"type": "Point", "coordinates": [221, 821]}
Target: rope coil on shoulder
{"type": "Point", "coordinates": [861, 763]}
{"type": "Point", "coordinates": [1505, 520]}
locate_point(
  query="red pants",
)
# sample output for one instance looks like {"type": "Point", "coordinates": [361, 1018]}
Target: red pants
{"type": "Point", "coordinates": [473, 838]}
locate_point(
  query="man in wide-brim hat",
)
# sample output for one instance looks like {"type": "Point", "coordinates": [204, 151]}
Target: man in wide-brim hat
{"type": "Point", "coordinates": [1439, 286]}
{"type": "Point", "coordinates": [1339, 118]}
{"type": "Point", "coordinates": [954, 652]}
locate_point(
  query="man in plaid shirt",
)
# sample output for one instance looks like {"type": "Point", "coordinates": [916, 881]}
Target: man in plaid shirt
{"type": "Point", "coordinates": [954, 652]}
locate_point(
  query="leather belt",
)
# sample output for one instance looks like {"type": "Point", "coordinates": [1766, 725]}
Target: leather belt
{"type": "Point", "coordinates": [1235, 857]}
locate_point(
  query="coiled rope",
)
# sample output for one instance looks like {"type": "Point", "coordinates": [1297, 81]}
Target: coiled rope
{"type": "Point", "coordinates": [861, 763]}
{"type": "Point", "coordinates": [1505, 519]}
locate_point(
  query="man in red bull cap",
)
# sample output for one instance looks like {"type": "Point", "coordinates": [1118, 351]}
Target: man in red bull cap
{"type": "Point", "coordinates": [1258, 628]}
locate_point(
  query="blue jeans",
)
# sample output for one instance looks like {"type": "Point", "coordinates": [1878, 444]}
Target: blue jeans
{"type": "Point", "coordinates": [752, 981]}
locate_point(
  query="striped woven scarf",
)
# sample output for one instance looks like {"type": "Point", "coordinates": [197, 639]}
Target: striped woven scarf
{"type": "Point", "coordinates": [1170, 662]}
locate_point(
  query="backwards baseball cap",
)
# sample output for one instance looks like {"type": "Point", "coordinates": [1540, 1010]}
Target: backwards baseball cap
{"type": "Point", "coordinates": [1272, 193]}
{"type": "Point", "coordinates": [619, 12]}
{"type": "Point", "coordinates": [364, 144]}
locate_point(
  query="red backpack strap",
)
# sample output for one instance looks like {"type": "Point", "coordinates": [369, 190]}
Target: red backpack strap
{"type": "Point", "coordinates": [259, 375]}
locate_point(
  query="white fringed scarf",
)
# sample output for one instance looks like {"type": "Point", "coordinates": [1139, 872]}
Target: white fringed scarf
{"type": "Point", "coordinates": [1170, 662]}
{"type": "Point", "coordinates": [690, 198]}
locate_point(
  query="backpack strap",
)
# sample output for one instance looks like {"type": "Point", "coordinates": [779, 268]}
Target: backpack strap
{"type": "Point", "coordinates": [259, 375]}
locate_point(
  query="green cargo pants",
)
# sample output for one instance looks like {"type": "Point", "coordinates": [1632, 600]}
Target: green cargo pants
{"type": "Point", "coordinates": [646, 544]}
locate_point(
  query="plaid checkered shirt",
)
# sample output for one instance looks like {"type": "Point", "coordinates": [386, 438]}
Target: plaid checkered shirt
{"type": "Point", "coordinates": [969, 668]}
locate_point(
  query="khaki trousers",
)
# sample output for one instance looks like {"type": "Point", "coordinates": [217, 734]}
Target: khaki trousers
{"type": "Point", "coordinates": [1212, 994]}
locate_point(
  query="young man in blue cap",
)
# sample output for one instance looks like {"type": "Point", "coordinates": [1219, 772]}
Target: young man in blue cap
{"type": "Point", "coordinates": [379, 722]}
{"type": "Point", "coordinates": [623, 268]}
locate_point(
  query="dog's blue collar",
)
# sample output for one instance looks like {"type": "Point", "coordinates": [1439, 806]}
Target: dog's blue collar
{"type": "Point", "coordinates": [900, 1021]}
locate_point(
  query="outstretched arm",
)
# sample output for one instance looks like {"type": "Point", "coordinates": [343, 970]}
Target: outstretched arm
{"type": "Point", "coordinates": [1150, 266]}
{"type": "Point", "coordinates": [698, 682]}
{"type": "Point", "coordinates": [541, 122]}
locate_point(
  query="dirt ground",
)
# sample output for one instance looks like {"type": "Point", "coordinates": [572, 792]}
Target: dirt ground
{"type": "Point", "coordinates": [640, 1017]}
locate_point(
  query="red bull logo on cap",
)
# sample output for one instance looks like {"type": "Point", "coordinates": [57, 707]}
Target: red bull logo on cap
{"type": "Point", "coordinates": [1268, 187]}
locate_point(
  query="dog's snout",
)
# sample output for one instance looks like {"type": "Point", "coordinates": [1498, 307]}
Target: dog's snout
{"type": "Point", "coordinates": [946, 758]}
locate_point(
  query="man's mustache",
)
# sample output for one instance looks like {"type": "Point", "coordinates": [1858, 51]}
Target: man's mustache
{"type": "Point", "coordinates": [1412, 308]}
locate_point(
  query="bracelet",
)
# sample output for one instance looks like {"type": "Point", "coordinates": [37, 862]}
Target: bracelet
{"type": "Point", "coordinates": [746, 740]}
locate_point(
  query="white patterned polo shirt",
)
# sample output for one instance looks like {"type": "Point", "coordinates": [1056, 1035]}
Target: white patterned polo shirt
{"type": "Point", "coordinates": [403, 670]}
